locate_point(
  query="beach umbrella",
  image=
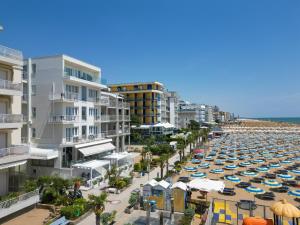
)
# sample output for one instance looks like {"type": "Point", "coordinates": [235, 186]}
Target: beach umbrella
{"type": "Point", "coordinates": [262, 169]}
{"type": "Point", "coordinates": [217, 171]}
{"type": "Point", "coordinates": [231, 167]}
{"type": "Point", "coordinates": [190, 169]}
{"type": "Point", "coordinates": [233, 178]}
{"type": "Point", "coordinates": [204, 165]}
{"type": "Point", "coordinates": [194, 161]}
{"type": "Point", "coordinates": [272, 183]}
{"type": "Point", "coordinates": [294, 193]}
{"type": "Point", "coordinates": [199, 175]}
{"type": "Point", "coordinates": [196, 151]}
{"type": "Point", "coordinates": [219, 162]}
{"type": "Point", "coordinates": [274, 165]}
{"type": "Point", "coordinates": [231, 159]}
{"type": "Point", "coordinates": [249, 173]}
{"type": "Point", "coordinates": [257, 161]}
{"type": "Point", "coordinates": [286, 176]}
{"type": "Point", "coordinates": [286, 162]}
{"type": "Point", "coordinates": [256, 190]}
{"type": "Point", "coordinates": [278, 156]}
{"type": "Point", "coordinates": [295, 171]}
{"type": "Point", "coordinates": [284, 209]}
{"type": "Point", "coordinates": [245, 164]}
{"type": "Point", "coordinates": [209, 158]}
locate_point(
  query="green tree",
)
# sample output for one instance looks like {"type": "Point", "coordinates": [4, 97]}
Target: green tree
{"type": "Point", "coordinates": [135, 120]}
{"type": "Point", "coordinates": [98, 204]}
{"type": "Point", "coordinates": [107, 218]}
{"type": "Point", "coordinates": [162, 160]}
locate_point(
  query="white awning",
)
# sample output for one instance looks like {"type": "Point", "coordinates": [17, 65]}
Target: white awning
{"type": "Point", "coordinates": [94, 164]}
{"type": "Point", "coordinates": [9, 165]}
{"type": "Point", "coordinates": [96, 149]}
{"type": "Point", "coordinates": [42, 153]}
{"type": "Point", "coordinates": [119, 156]}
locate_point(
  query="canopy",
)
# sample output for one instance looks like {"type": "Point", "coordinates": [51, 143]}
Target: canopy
{"type": "Point", "coordinates": [94, 164]}
{"type": "Point", "coordinates": [199, 151]}
{"type": "Point", "coordinates": [9, 165]}
{"type": "Point", "coordinates": [42, 153]}
{"type": "Point", "coordinates": [96, 149]}
{"type": "Point", "coordinates": [206, 185]}
{"type": "Point", "coordinates": [283, 208]}
{"type": "Point", "coordinates": [180, 185]}
{"type": "Point", "coordinates": [118, 156]}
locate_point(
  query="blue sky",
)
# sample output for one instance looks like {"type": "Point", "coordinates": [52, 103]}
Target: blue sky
{"type": "Point", "coordinates": [241, 55]}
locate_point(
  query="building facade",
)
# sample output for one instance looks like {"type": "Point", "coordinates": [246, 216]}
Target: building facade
{"type": "Point", "coordinates": [147, 100]}
{"type": "Point", "coordinates": [75, 125]}
{"type": "Point", "coordinates": [13, 155]}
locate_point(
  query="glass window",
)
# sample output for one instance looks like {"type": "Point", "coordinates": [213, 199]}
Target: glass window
{"type": "Point", "coordinates": [33, 112]}
{"type": "Point", "coordinates": [33, 132]}
{"type": "Point", "coordinates": [33, 90]}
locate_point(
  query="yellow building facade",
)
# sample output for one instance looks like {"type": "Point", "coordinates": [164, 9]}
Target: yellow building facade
{"type": "Point", "coordinates": [145, 100]}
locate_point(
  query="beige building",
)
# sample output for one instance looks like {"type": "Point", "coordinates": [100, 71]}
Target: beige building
{"type": "Point", "coordinates": [13, 156]}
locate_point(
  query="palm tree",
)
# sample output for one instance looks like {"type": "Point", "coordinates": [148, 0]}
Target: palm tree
{"type": "Point", "coordinates": [162, 160]}
{"type": "Point", "coordinates": [190, 140]}
{"type": "Point", "coordinates": [180, 147]}
{"type": "Point", "coordinates": [98, 204]}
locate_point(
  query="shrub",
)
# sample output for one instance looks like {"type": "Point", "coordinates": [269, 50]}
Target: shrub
{"type": "Point", "coordinates": [133, 199]}
{"type": "Point", "coordinates": [137, 167]}
{"type": "Point", "coordinates": [30, 185]}
{"type": "Point", "coordinates": [49, 195]}
{"type": "Point", "coordinates": [71, 211]}
{"type": "Point", "coordinates": [107, 218]}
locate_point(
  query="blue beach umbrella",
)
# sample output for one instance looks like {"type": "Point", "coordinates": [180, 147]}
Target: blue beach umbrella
{"type": "Point", "coordinates": [199, 175]}
{"type": "Point", "coordinates": [294, 193]}
{"type": "Point", "coordinates": [219, 162]}
{"type": "Point", "coordinates": [262, 169]}
{"type": "Point", "coordinates": [286, 162]}
{"type": "Point", "coordinates": [233, 178]}
{"type": "Point", "coordinates": [204, 165]}
{"type": "Point", "coordinates": [231, 167]}
{"type": "Point", "coordinates": [286, 176]}
{"type": "Point", "coordinates": [257, 161]}
{"type": "Point", "coordinates": [274, 165]}
{"type": "Point", "coordinates": [295, 171]}
{"type": "Point", "coordinates": [272, 183]}
{"type": "Point", "coordinates": [249, 173]}
{"type": "Point", "coordinates": [256, 190]}
{"type": "Point", "coordinates": [245, 164]}
{"type": "Point", "coordinates": [217, 171]}
{"type": "Point", "coordinates": [194, 161]}
{"type": "Point", "coordinates": [209, 158]}
{"type": "Point", "coordinates": [190, 169]}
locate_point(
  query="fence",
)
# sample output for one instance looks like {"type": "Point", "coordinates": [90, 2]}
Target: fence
{"type": "Point", "coordinates": [13, 201]}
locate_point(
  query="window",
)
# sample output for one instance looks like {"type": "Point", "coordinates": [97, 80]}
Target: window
{"type": "Point", "coordinates": [33, 68]}
{"type": "Point", "coordinates": [25, 68]}
{"type": "Point", "coordinates": [45, 163]}
{"type": "Point", "coordinates": [83, 113]}
{"type": "Point", "coordinates": [136, 87]}
{"type": "Point", "coordinates": [33, 132]}
{"type": "Point", "coordinates": [149, 86]}
{"type": "Point", "coordinates": [33, 90]}
{"type": "Point", "coordinates": [33, 112]}
{"type": "Point", "coordinates": [72, 89]}
{"type": "Point", "coordinates": [93, 93]}
{"type": "Point", "coordinates": [71, 111]}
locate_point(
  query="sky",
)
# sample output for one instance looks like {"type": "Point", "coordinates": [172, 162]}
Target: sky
{"type": "Point", "coordinates": [243, 56]}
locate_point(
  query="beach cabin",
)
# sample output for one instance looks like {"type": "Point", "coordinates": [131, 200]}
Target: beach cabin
{"type": "Point", "coordinates": [159, 192]}
{"type": "Point", "coordinates": [179, 194]}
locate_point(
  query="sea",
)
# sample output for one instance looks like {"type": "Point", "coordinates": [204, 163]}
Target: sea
{"type": "Point", "coordinates": [295, 120]}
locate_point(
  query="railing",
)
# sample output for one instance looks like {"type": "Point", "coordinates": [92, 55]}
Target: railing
{"type": "Point", "coordinates": [11, 53]}
{"type": "Point", "coordinates": [112, 104]}
{"type": "Point", "coordinates": [8, 203]}
{"type": "Point", "coordinates": [84, 139]}
{"type": "Point", "coordinates": [111, 132]}
{"type": "Point", "coordinates": [127, 117]}
{"type": "Point", "coordinates": [14, 150]}
{"type": "Point", "coordinates": [93, 80]}
{"type": "Point", "coordinates": [11, 118]}
{"type": "Point", "coordinates": [126, 131]}
{"type": "Point", "coordinates": [65, 96]}
{"type": "Point", "coordinates": [7, 84]}
{"type": "Point", "coordinates": [108, 118]}
{"type": "Point", "coordinates": [63, 118]}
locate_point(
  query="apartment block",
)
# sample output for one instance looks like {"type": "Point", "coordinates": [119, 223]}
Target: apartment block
{"type": "Point", "coordinates": [75, 125]}
{"type": "Point", "coordinates": [13, 155]}
{"type": "Point", "coordinates": [147, 100]}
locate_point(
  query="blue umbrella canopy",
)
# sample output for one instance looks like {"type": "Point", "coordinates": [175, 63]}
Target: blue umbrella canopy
{"type": "Point", "coordinates": [274, 165]}
{"type": "Point", "coordinates": [257, 161]}
{"type": "Point", "coordinates": [286, 176]}
{"type": "Point", "coordinates": [245, 164]}
{"type": "Point", "coordinates": [256, 190]}
{"type": "Point", "coordinates": [233, 178]}
{"type": "Point", "coordinates": [294, 193]}
{"type": "Point", "coordinates": [209, 158]}
{"type": "Point", "coordinates": [249, 173]}
{"type": "Point", "coordinates": [272, 183]}
{"type": "Point", "coordinates": [199, 175]}
{"type": "Point", "coordinates": [295, 171]}
{"type": "Point", "coordinates": [217, 171]}
{"type": "Point", "coordinates": [262, 169]}
{"type": "Point", "coordinates": [195, 160]}
{"type": "Point", "coordinates": [286, 162]}
{"type": "Point", "coordinates": [190, 168]}
{"type": "Point", "coordinates": [231, 167]}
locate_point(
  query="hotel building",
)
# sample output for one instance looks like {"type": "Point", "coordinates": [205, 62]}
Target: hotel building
{"type": "Point", "coordinates": [13, 155]}
{"type": "Point", "coordinates": [75, 125]}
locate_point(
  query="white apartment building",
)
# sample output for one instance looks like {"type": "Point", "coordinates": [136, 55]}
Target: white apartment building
{"type": "Point", "coordinates": [173, 107]}
{"type": "Point", "coordinates": [75, 126]}
{"type": "Point", "coordinates": [13, 155]}
{"type": "Point", "coordinates": [185, 116]}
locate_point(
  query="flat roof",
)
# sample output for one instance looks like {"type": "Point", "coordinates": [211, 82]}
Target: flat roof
{"type": "Point", "coordinates": [135, 83]}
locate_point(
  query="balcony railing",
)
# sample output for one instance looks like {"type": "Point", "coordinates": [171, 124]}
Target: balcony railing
{"type": "Point", "coordinates": [65, 96]}
{"type": "Point", "coordinates": [112, 104]}
{"type": "Point", "coordinates": [110, 132]}
{"type": "Point", "coordinates": [14, 150]}
{"type": "Point", "coordinates": [84, 139]}
{"type": "Point", "coordinates": [15, 204]}
{"type": "Point", "coordinates": [63, 118]}
{"type": "Point", "coordinates": [11, 53]}
{"type": "Point", "coordinates": [11, 118]}
{"type": "Point", "coordinates": [126, 117]}
{"type": "Point", "coordinates": [108, 118]}
{"type": "Point", "coordinates": [8, 85]}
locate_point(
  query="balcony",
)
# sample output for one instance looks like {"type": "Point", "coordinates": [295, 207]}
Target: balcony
{"type": "Point", "coordinates": [64, 119]}
{"type": "Point", "coordinates": [65, 97]}
{"type": "Point", "coordinates": [11, 121]}
{"type": "Point", "coordinates": [7, 87]}
{"type": "Point", "coordinates": [21, 202]}
{"type": "Point", "coordinates": [83, 81]}
{"type": "Point", "coordinates": [110, 133]}
{"type": "Point", "coordinates": [13, 154]}
{"type": "Point", "coordinates": [126, 118]}
{"type": "Point", "coordinates": [108, 118]}
{"type": "Point", "coordinates": [83, 139]}
{"type": "Point", "coordinates": [112, 104]}
{"type": "Point", "coordinates": [10, 56]}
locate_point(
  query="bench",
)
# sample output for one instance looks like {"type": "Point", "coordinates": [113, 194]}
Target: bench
{"type": "Point", "coordinates": [61, 221]}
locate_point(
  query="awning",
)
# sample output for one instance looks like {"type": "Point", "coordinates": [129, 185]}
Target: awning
{"type": "Point", "coordinates": [42, 153]}
{"type": "Point", "coordinates": [96, 149]}
{"type": "Point", "coordinates": [119, 156]}
{"type": "Point", "coordinates": [9, 165]}
{"type": "Point", "coordinates": [94, 164]}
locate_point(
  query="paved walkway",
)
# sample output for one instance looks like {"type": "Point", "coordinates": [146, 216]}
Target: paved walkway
{"type": "Point", "coordinates": [122, 198]}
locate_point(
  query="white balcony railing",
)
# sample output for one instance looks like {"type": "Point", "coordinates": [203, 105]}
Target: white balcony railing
{"type": "Point", "coordinates": [9, 85]}
{"type": "Point", "coordinates": [110, 132]}
{"type": "Point", "coordinates": [11, 118]}
{"type": "Point", "coordinates": [11, 53]}
{"type": "Point", "coordinates": [108, 118]}
{"type": "Point", "coordinates": [64, 119]}
{"type": "Point", "coordinates": [83, 139]}
{"type": "Point", "coordinates": [126, 117]}
{"type": "Point", "coordinates": [14, 150]}
{"type": "Point", "coordinates": [65, 97]}
{"type": "Point", "coordinates": [21, 202]}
